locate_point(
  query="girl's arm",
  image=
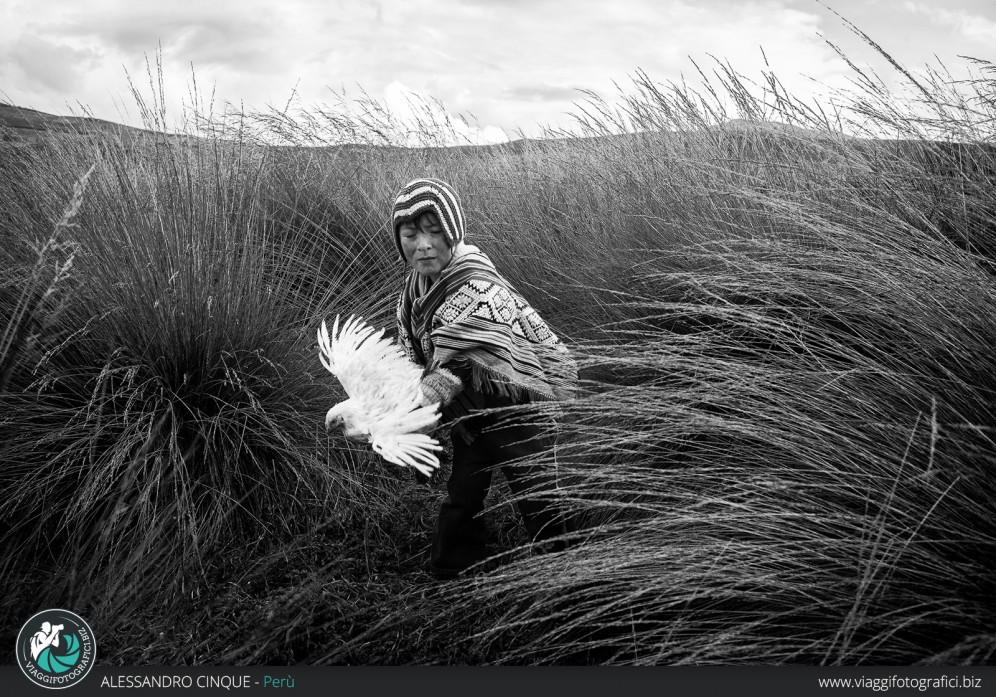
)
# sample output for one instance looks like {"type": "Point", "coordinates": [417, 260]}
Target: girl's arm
{"type": "Point", "coordinates": [441, 385]}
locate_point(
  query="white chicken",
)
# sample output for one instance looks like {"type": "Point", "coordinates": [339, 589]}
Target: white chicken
{"type": "Point", "coordinates": [384, 396]}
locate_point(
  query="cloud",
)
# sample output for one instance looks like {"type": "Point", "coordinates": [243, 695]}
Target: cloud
{"type": "Point", "coordinates": [416, 115]}
{"type": "Point", "coordinates": [209, 37]}
{"type": "Point", "coordinates": [252, 52]}
{"type": "Point", "coordinates": [47, 65]}
{"type": "Point", "coordinates": [543, 93]}
{"type": "Point", "coordinates": [512, 64]}
{"type": "Point", "coordinates": [970, 26]}
{"type": "Point", "coordinates": [543, 50]}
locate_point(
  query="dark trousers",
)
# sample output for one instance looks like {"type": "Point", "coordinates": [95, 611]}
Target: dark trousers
{"type": "Point", "coordinates": [459, 540]}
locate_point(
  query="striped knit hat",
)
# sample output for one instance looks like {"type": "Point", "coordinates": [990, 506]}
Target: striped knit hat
{"type": "Point", "coordinates": [422, 195]}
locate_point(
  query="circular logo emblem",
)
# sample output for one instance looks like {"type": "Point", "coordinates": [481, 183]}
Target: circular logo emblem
{"type": "Point", "coordinates": [56, 649]}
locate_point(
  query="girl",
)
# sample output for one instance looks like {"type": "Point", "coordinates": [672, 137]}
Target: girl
{"type": "Point", "coordinates": [482, 347]}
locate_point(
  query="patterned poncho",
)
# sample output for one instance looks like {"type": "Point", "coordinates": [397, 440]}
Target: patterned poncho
{"type": "Point", "coordinates": [473, 324]}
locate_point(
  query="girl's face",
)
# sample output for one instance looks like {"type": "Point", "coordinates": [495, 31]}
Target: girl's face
{"type": "Point", "coordinates": [425, 245]}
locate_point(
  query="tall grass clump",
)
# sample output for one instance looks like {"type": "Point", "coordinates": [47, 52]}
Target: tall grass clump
{"type": "Point", "coordinates": [170, 424]}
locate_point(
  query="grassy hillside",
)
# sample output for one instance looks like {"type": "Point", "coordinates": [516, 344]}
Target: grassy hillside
{"type": "Point", "coordinates": [23, 125]}
{"type": "Point", "coordinates": [783, 451]}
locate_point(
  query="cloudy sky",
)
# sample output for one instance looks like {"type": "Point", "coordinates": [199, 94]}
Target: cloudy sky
{"type": "Point", "coordinates": [515, 65]}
